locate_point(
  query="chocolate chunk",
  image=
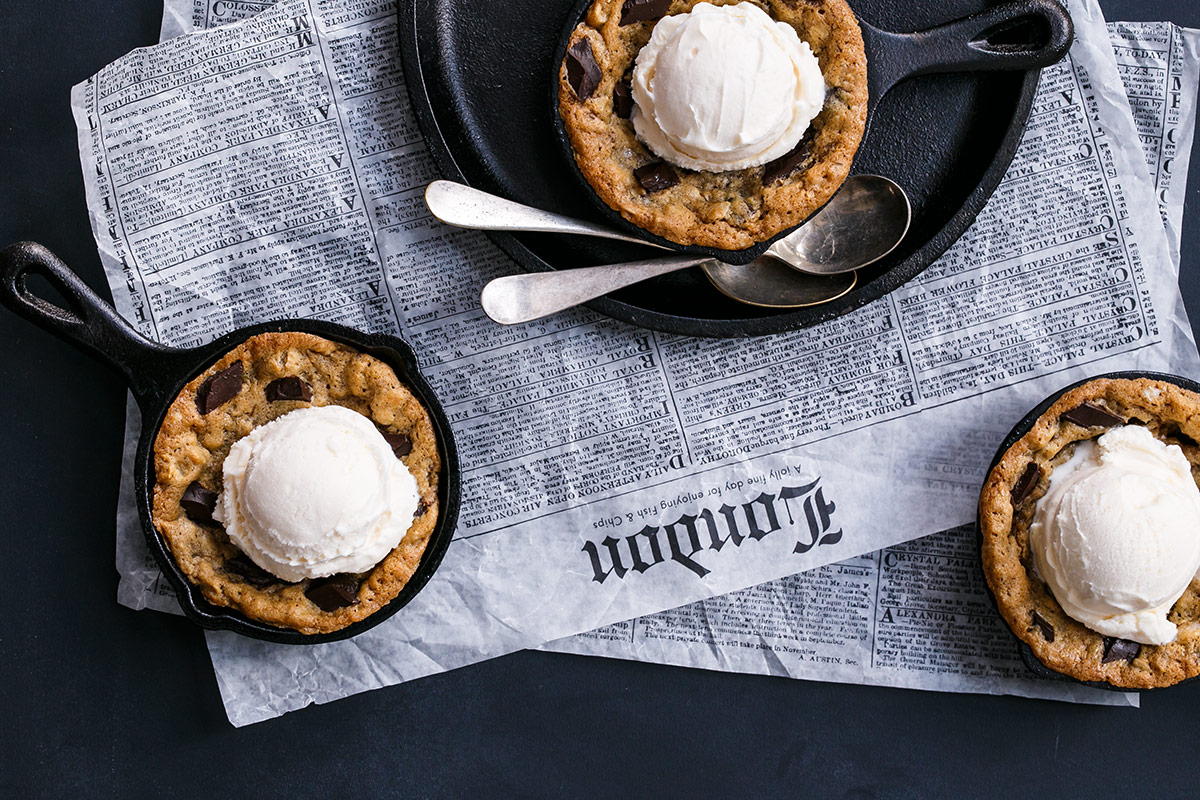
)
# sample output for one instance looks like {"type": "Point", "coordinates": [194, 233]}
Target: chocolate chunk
{"type": "Point", "coordinates": [623, 99]}
{"type": "Point", "coordinates": [219, 389]}
{"type": "Point", "coordinates": [250, 572]}
{"type": "Point", "coordinates": [583, 73]}
{"type": "Point", "coordinates": [1090, 416]}
{"type": "Point", "coordinates": [1045, 627]}
{"type": "Point", "coordinates": [656, 177]}
{"type": "Point", "coordinates": [785, 165]}
{"type": "Point", "coordinates": [643, 10]}
{"type": "Point", "coordinates": [292, 388]}
{"type": "Point", "coordinates": [1118, 649]}
{"type": "Point", "coordinates": [198, 503]}
{"type": "Point", "coordinates": [330, 594]}
{"type": "Point", "coordinates": [400, 443]}
{"type": "Point", "coordinates": [421, 509]}
{"type": "Point", "coordinates": [1025, 484]}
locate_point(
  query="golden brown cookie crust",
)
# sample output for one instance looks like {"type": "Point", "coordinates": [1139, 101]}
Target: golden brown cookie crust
{"type": "Point", "coordinates": [191, 446]}
{"type": "Point", "coordinates": [727, 210]}
{"type": "Point", "coordinates": [1172, 414]}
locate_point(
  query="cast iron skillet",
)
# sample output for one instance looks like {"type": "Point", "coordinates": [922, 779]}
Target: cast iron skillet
{"type": "Point", "coordinates": [1022, 35]}
{"type": "Point", "coordinates": [1020, 429]}
{"type": "Point", "coordinates": [479, 75]}
{"type": "Point", "coordinates": [157, 374]}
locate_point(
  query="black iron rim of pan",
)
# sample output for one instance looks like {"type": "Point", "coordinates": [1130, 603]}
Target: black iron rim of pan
{"type": "Point", "coordinates": [157, 374]}
{"type": "Point", "coordinates": [1020, 429]}
{"type": "Point", "coordinates": [468, 146]}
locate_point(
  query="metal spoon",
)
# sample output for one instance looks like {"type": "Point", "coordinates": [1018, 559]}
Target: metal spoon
{"type": "Point", "coordinates": [865, 221]}
{"type": "Point", "coordinates": [764, 282]}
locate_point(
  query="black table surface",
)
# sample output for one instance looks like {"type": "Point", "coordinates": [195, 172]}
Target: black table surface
{"type": "Point", "coordinates": [97, 700]}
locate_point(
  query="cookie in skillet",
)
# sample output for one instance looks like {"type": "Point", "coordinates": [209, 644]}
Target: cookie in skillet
{"type": "Point", "coordinates": [1105, 424]}
{"type": "Point", "coordinates": [733, 209]}
{"type": "Point", "coordinates": [258, 382]}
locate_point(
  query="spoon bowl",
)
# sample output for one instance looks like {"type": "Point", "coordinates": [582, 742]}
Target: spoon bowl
{"type": "Point", "coordinates": [865, 220]}
{"type": "Point", "coordinates": [770, 283]}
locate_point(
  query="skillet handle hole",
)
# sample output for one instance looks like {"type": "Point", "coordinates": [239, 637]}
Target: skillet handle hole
{"type": "Point", "coordinates": [1024, 35]}
{"type": "Point", "coordinates": [49, 297]}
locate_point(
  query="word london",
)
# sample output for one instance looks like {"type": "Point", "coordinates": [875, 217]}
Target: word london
{"type": "Point", "coordinates": [687, 537]}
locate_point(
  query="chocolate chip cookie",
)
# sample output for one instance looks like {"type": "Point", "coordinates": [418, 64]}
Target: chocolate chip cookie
{"type": "Point", "coordinates": [258, 381]}
{"type": "Point", "coordinates": [728, 210]}
{"type": "Point", "coordinates": [1006, 509]}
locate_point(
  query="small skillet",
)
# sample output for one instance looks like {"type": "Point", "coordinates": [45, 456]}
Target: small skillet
{"type": "Point", "coordinates": [1024, 426]}
{"type": "Point", "coordinates": [157, 374]}
{"type": "Point", "coordinates": [1018, 35]}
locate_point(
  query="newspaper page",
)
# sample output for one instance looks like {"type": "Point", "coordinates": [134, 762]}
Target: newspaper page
{"type": "Point", "coordinates": [1158, 63]}
{"type": "Point", "coordinates": [945, 635]}
{"type": "Point", "coordinates": [917, 615]}
{"type": "Point", "coordinates": [271, 168]}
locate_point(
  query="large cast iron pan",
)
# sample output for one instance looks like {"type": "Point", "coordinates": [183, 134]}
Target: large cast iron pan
{"type": "Point", "coordinates": [157, 374]}
{"type": "Point", "coordinates": [1034, 34]}
{"type": "Point", "coordinates": [1020, 429]}
{"type": "Point", "coordinates": [479, 75]}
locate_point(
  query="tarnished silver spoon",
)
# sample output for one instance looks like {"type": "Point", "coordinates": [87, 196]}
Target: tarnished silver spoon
{"type": "Point", "coordinates": [864, 221]}
{"type": "Point", "coordinates": [765, 282]}
{"type": "Point", "coordinates": [856, 231]}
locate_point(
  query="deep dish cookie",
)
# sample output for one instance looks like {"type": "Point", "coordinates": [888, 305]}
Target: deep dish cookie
{"type": "Point", "coordinates": [1007, 507]}
{"type": "Point", "coordinates": [260, 380]}
{"type": "Point", "coordinates": [728, 210]}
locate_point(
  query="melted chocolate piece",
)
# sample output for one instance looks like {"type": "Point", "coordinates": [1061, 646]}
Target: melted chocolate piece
{"type": "Point", "coordinates": [623, 99]}
{"type": "Point", "coordinates": [643, 10]}
{"type": "Point", "coordinates": [1090, 416]}
{"type": "Point", "coordinates": [583, 73]}
{"type": "Point", "coordinates": [198, 503]}
{"type": "Point", "coordinates": [656, 176]}
{"type": "Point", "coordinates": [330, 594]}
{"type": "Point", "coordinates": [1026, 483]}
{"type": "Point", "coordinates": [421, 509]}
{"type": "Point", "coordinates": [1118, 649]}
{"type": "Point", "coordinates": [400, 443]}
{"type": "Point", "coordinates": [220, 388]}
{"type": "Point", "coordinates": [1045, 627]}
{"type": "Point", "coordinates": [250, 572]}
{"type": "Point", "coordinates": [785, 165]}
{"type": "Point", "coordinates": [292, 388]}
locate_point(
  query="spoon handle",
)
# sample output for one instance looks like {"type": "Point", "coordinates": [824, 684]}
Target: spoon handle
{"type": "Point", "coordinates": [467, 207]}
{"type": "Point", "coordinates": [522, 298]}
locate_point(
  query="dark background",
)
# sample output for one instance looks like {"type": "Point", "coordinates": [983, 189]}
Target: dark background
{"type": "Point", "coordinates": [96, 700]}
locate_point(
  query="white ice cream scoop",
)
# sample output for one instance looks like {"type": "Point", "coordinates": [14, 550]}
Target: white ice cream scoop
{"type": "Point", "coordinates": [315, 493]}
{"type": "Point", "coordinates": [1117, 535]}
{"type": "Point", "coordinates": [724, 88]}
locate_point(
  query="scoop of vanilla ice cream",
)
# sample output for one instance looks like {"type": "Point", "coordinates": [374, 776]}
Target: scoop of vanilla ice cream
{"type": "Point", "coordinates": [314, 493]}
{"type": "Point", "coordinates": [724, 87]}
{"type": "Point", "coordinates": [1117, 535]}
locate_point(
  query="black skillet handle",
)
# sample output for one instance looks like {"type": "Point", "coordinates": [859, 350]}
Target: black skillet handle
{"type": "Point", "coordinates": [88, 323]}
{"type": "Point", "coordinates": [1020, 35]}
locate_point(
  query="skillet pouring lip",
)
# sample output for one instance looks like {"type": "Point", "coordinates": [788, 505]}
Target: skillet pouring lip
{"type": "Point", "coordinates": [393, 351]}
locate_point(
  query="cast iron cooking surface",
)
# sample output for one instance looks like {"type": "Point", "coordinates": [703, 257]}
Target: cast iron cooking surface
{"type": "Point", "coordinates": [480, 73]}
{"type": "Point", "coordinates": [1020, 429]}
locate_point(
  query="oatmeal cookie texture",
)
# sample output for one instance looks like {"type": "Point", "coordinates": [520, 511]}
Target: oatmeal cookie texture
{"type": "Point", "coordinates": [281, 372]}
{"type": "Point", "coordinates": [727, 210]}
{"type": "Point", "coordinates": [1006, 509]}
